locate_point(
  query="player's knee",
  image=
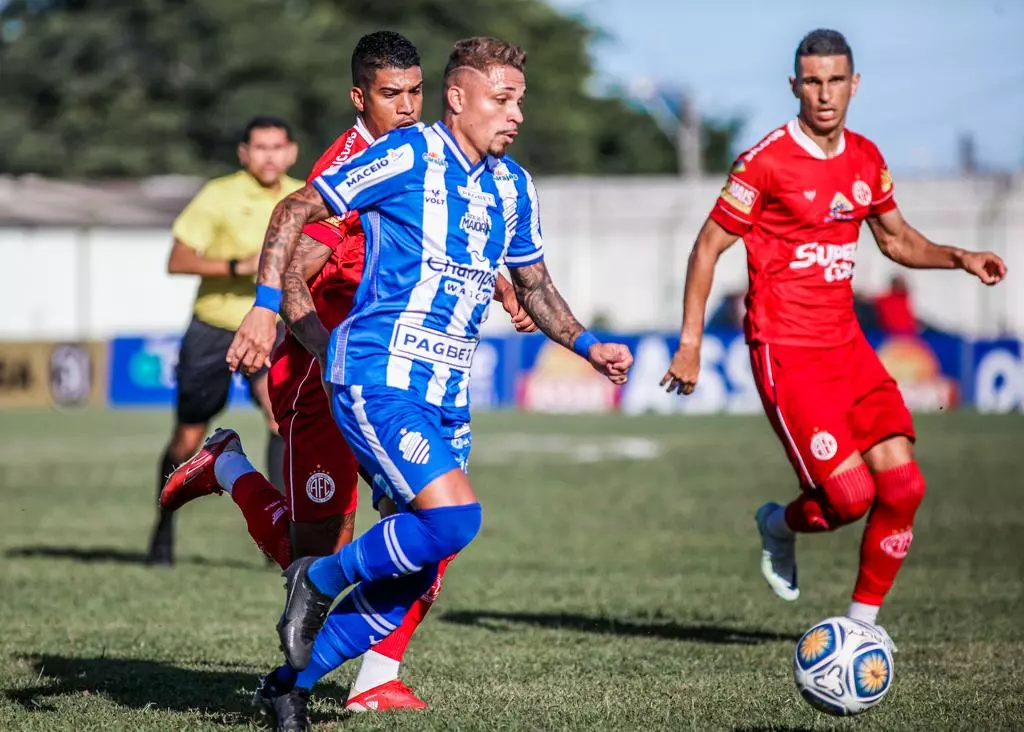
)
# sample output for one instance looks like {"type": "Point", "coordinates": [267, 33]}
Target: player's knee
{"type": "Point", "coordinates": [850, 495]}
{"type": "Point", "coordinates": [451, 528]}
{"type": "Point", "coordinates": [901, 488]}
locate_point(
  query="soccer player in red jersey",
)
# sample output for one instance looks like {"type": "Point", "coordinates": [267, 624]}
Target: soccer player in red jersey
{"type": "Point", "coordinates": [797, 199]}
{"type": "Point", "coordinates": [317, 514]}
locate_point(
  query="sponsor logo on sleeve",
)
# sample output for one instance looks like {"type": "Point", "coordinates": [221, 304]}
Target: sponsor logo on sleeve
{"type": "Point", "coordinates": [739, 195]}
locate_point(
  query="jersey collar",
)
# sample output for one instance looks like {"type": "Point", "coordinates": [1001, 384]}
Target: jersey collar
{"type": "Point", "coordinates": [449, 140]}
{"type": "Point", "coordinates": [802, 139]}
{"type": "Point", "coordinates": [361, 129]}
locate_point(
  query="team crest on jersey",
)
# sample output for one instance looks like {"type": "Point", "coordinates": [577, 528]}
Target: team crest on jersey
{"type": "Point", "coordinates": [861, 193]}
{"type": "Point", "coordinates": [320, 487]}
{"type": "Point", "coordinates": [739, 167]}
{"type": "Point", "coordinates": [839, 209]}
{"type": "Point", "coordinates": [886, 180]}
{"type": "Point", "coordinates": [824, 446]}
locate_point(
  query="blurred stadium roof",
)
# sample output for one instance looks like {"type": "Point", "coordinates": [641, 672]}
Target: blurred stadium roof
{"type": "Point", "coordinates": [34, 201]}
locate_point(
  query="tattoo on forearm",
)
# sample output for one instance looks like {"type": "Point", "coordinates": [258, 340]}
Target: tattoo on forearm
{"type": "Point", "coordinates": [297, 307]}
{"type": "Point", "coordinates": [294, 212]}
{"type": "Point", "coordinates": [542, 301]}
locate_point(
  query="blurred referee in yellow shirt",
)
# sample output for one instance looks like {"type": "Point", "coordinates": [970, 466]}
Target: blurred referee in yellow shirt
{"type": "Point", "coordinates": [218, 237]}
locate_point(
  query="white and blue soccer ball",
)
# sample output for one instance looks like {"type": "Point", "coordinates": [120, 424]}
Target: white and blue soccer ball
{"type": "Point", "coordinates": [842, 666]}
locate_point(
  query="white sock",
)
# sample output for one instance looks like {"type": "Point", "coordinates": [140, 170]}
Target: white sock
{"type": "Point", "coordinates": [376, 669]}
{"type": "Point", "coordinates": [864, 613]}
{"type": "Point", "coordinates": [231, 466]}
{"type": "Point", "coordinates": [777, 526]}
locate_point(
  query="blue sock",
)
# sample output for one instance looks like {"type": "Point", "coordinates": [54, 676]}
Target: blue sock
{"type": "Point", "coordinates": [398, 545]}
{"type": "Point", "coordinates": [366, 615]}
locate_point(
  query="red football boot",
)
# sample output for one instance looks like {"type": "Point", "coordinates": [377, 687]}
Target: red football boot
{"type": "Point", "coordinates": [195, 478]}
{"type": "Point", "coordinates": [384, 698]}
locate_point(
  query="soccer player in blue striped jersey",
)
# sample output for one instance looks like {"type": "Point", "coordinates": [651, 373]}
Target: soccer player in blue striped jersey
{"type": "Point", "coordinates": [443, 209]}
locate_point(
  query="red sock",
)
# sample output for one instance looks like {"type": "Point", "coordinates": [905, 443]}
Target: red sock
{"type": "Point", "coordinates": [888, 533]}
{"type": "Point", "coordinates": [395, 644]}
{"type": "Point", "coordinates": [266, 516]}
{"type": "Point", "coordinates": [805, 515]}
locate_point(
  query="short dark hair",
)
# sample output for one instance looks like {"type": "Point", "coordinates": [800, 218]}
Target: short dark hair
{"type": "Point", "coordinates": [482, 53]}
{"type": "Point", "coordinates": [266, 122]}
{"type": "Point", "coordinates": [822, 42]}
{"type": "Point", "coordinates": [381, 50]}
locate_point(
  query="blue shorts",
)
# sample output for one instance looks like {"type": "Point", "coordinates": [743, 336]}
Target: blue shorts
{"type": "Point", "coordinates": [400, 440]}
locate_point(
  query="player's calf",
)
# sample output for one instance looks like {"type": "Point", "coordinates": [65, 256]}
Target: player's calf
{"type": "Point", "coordinates": [889, 532]}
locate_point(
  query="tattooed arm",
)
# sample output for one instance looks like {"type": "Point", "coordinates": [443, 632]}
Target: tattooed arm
{"type": "Point", "coordinates": [297, 306]}
{"type": "Point", "coordinates": [549, 311]}
{"type": "Point", "coordinates": [303, 207]}
{"type": "Point", "coordinates": [250, 349]}
{"type": "Point", "coordinates": [541, 299]}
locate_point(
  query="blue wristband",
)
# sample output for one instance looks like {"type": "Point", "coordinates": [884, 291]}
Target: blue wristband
{"type": "Point", "coordinates": [583, 343]}
{"type": "Point", "coordinates": [268, 297]}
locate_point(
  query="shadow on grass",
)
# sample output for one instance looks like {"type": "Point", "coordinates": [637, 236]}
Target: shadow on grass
{"type": "Point", "coordinates": [222, 692]}
{"type": "Point", "coordinates": [501, 621]}
{"type": "Point", "coordinates": [110, 555]}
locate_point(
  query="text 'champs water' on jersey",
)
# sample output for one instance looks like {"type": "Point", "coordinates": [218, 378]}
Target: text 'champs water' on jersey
{"type": "Point", "coordinates": [437, 229]}
{"type": "Point", "coordinates": [800, 215]}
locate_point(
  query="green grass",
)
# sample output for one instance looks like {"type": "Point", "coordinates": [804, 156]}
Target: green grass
{"type": "Point", "coordinates": [615, 585]}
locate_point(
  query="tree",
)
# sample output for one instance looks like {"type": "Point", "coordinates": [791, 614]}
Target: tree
{"type": "Point", "coordinates": [126, 88]}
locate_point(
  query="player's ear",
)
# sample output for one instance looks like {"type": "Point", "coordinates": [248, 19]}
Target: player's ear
{"type": "Point", "coordinates": [243, 154]}
{"type": "Point", "coordinates": [456, 98]}
{"type": "Point", "coordinates": [855, 84]}
{"type": "Point", "coordinates": [794, 86]}
{"type": "Point", "coordinates": [358, 100]}
{"type": "Point", "coordinates": [293, 154]}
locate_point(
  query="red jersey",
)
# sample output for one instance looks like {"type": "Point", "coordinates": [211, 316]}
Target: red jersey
{"type": "Point", "coordinates": [334, 287]}
{"type": "Point", "coordinates": [800, 214]}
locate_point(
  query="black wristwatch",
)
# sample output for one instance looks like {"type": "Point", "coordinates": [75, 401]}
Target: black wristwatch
{"type": "Point", "coordinates": [233, 267]}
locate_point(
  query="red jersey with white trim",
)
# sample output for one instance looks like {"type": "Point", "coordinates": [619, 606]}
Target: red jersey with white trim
{"type": "Point", "coordinates": [334, 287]}
{"type": "Point", "coordinates": [800, 214]}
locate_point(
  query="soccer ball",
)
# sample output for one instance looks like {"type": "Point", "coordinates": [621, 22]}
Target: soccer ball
{"type": "Point", "coordinates": [842, 666]}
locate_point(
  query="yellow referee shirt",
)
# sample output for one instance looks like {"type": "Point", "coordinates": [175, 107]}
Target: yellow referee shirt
{"type": "Point", "coordinates": [227, 220]}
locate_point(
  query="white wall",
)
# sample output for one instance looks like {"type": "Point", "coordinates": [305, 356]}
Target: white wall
{"type": "Point", "coordinates": [615, 246]}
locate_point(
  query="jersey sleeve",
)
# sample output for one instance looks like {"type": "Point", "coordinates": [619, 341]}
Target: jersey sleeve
{"type": "Point", "coordinates": [742, 197]}
{"type": "Point", "coordinates": [368, 179]}
{"type": "Point", "coordinates": [196, 226]}
{"type": "Point", "coordinates": [884, 194]}
{"type": "Point", "coordinates": [527, 245]}
{"type": "Point", "coordinates": [331, 232]}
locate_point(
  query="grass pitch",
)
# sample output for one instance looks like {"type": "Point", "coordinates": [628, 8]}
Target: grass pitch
{"type": "Point", "coordinates": [615, 585]}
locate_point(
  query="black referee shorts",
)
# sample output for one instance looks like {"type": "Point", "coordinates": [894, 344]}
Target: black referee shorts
{"type": "Point", "coordinates": [204, 380]}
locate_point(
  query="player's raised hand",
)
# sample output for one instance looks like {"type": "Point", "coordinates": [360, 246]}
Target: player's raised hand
{"type": "Point", "coordinates": [986, 266]}
{"type": "Point", "coordinates": [520, 318]}
{"type": "Point", "coordinates": [682, 373]}
{"type": "Point", "coordinates": [254, 340]}
{"type": "Point", "coordinates": [613, 360]}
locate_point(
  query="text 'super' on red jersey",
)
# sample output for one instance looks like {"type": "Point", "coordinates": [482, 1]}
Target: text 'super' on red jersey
{"type": "Point", "coordinates": [333, 288]}
{"type": "Point", "coordinates": [800, 213]}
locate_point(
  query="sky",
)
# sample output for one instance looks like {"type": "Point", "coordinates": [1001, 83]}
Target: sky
{"type": "Point", "coordinates": [930, 70]}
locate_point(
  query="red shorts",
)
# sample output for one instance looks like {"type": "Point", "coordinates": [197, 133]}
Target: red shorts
{"type": "Point", "coordinates": [321, 474]}
{"type": "Point", "coordinates": [827, 403]}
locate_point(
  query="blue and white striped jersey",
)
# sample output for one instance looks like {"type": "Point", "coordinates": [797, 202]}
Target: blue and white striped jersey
{"type": "Point", "coordinates": [437, 229]}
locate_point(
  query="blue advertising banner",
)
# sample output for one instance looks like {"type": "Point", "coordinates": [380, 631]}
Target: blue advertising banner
{"type": "Point", "coordinates": [142, 373]}
{"type": "Point", "coordinates": [935, 371]}
{"type": "Point", "coordinates": [997, 371]}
